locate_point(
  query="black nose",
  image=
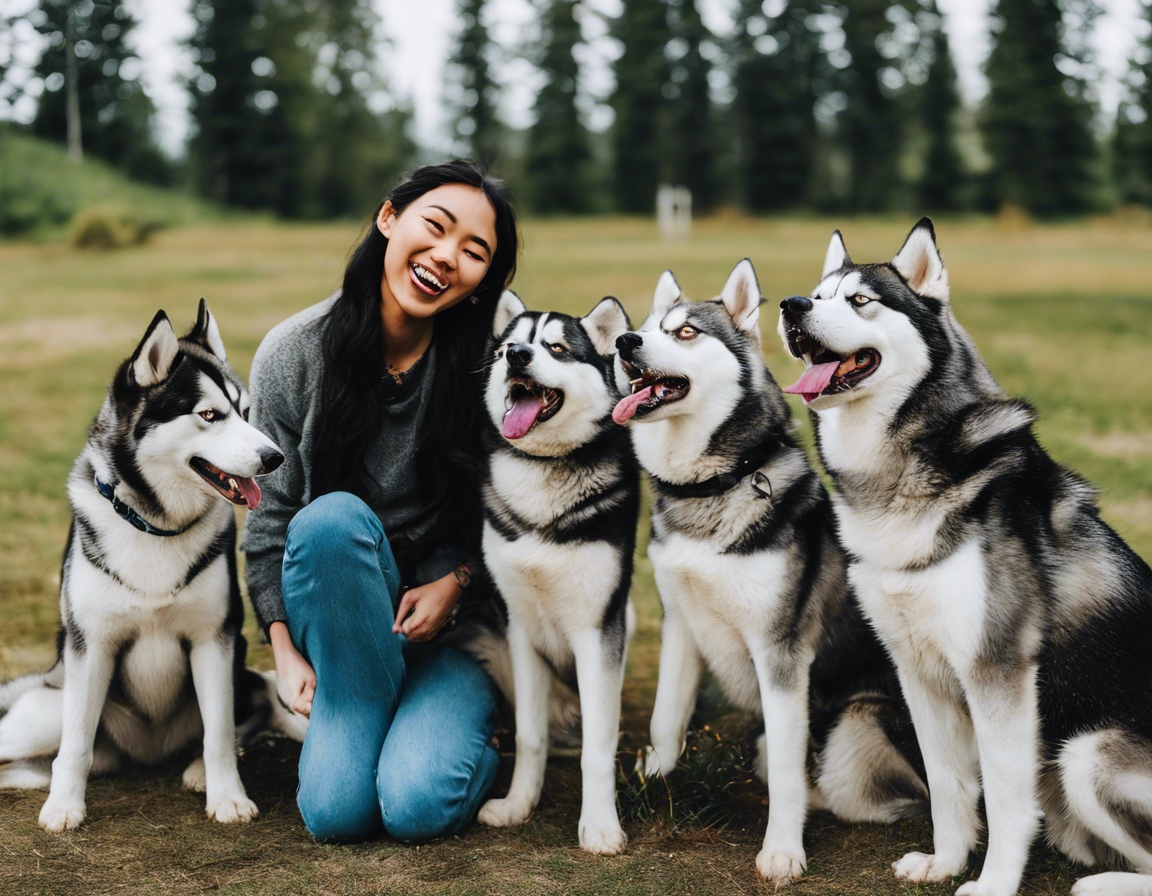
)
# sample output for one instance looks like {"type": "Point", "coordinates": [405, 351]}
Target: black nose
{"type": "Point", "coordinates": [629, 341]}
{"type": "Point", "coordinates": [270, 459]}
{"type": "Point", "coordinates": [796, 307]}
{"type": "Point", "coordinates": [519, 355]}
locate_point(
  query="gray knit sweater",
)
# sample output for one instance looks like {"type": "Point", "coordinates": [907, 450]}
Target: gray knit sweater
{"type": "Point", "coordinates": [285, 386]}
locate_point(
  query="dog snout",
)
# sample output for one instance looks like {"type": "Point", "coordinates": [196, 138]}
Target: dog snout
{"type": "Point", "coordinates": [626, 343]}
{"type": "Point", "coordinates": [270, 459]}
{"type": "Point", "coordinates": [519, 356]}
{"type": "Point", "coordinates": [795, 307]}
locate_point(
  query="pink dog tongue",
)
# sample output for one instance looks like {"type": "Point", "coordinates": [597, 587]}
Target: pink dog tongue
{"type": "Point", "coordinates": [814, 381]}
{"type": "Point", "coordinates": [250, 490]}
{"type": "Point", "coordinates": [521, 416]}
{"type": "Point", "coordinates": [626, 408]}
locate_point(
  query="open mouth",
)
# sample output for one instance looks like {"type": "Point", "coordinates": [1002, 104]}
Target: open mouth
{"type": "Point", "coordinates": [650, 389]}
{"type": "Point", "coordinates": [237, 489]}
{"type": "Point", "coordinates": [528, 403]}
{"type": "Point", "coordinates": [828, 372]}
{"type": "Point", "coordinates": [427, 282]}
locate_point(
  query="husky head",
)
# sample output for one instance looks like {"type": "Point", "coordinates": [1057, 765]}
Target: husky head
{"type": "Point", "coordinates": [691, 359]}
{"type": "Point", "coordinates": [871, 329]}
{"type": "Point", "coordinates": [549, 387]}
{"type": "Point", "coordinates": [174, 429]}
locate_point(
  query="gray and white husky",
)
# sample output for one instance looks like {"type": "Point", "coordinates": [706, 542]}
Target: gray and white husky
{"type": "Point", "coordinates": [750, 574]}
{"type": "Point", "coordinates": [150, 652]}
{"type": "Point", "coordinates": [561, 500]}
{"type": "Point", "coordinates": [1020, 623]}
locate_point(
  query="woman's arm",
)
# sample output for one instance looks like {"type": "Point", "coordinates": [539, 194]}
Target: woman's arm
{"type": "Point", "coordinates": [295, 679]}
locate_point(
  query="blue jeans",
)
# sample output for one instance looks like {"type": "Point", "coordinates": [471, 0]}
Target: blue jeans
{"type": "Point", "coordinates": [400, 733]}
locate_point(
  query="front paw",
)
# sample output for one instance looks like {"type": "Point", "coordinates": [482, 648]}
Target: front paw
{"type": "Point", "coordinates": [603, 839]}
{"type": "Point", "coordinates": [195, 778]}
{"type": "Point", "coordinates": [62, 815]}
{"type": "Point", "coordinates": [919, 867]}
{"type": "Point", "coordinates": [983, 887]}
{"type": "Point", "coordinates": [505, 813]}
{"type": "Point", "coordinates": [777, 866]}
{"type": "Point", "coordinates": [231, 809]}
{"type": "Point", "coordinates": [658, 762]}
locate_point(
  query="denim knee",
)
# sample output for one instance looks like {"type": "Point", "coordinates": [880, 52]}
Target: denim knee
{"type": "Point", "coordinates": [411, 811]}
{"type": "Point", "coordinates": [330, 523]}
{"type": "Point", "coordinates": [334, 817]}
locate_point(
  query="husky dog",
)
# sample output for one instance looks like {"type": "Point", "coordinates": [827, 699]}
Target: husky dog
{"type": "Point", "coordinates": [1020, 623]}
{"type": "Point", "coordinates": [749, 571]}
{"type": "Point", "coordinates": [561, 500]}
{"type": "Point", "coordinates": [148, 588]}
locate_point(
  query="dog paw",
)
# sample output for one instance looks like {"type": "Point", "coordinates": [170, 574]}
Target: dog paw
{"type": "Point", "coordinates": [653, 766]}
{"type": "Point", "coordinates": [985, 888]}
{"type": "Point", "coordinates": [919, 867]}
{"type": "Point", "coordinates": [504, 813]}
{"type": "Point", "coordinates": [1112, 882]}
{"type": "Point", "coordinates": [776, 866]}
{"type": "Point", "coordinates": [603, 839]}
{"type": "Point", "coordinates": [59, 815]}
{"type": "Point", "coordinates": [195, 778]}
{"type": "Point", "coordinates": [231, 809]}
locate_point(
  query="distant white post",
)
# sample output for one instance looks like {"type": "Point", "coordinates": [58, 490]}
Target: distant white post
{"type": "Point", "coordinates": [674, 211]}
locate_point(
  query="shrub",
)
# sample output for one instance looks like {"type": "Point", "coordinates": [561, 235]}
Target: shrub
{"type": "Point", "coordinates": [108, 227]}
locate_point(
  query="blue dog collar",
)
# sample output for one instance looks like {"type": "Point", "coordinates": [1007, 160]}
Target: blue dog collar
{"type": "Point", "coordinates": [132, 516]}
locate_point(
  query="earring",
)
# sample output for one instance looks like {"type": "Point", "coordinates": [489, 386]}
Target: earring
{"type": "Point", "coordinates": [474, 299]}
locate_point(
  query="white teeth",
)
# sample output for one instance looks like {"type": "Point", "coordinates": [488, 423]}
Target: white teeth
{"type": "Point", "coordinates": [233, 484]}
{"type": "Point", "coordinates": [428, 277]}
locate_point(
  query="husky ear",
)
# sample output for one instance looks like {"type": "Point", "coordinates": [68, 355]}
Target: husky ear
{"type": "Point", "coordinates": [604, 323]}
{"type": "Point", "coordinates": [741, 299]}
{"type": "Point", "coordinates": [668, 293]}
{"type": "Point", "coordinates": [206, 333]}
{"type": "Point", "coordinates": [920, 264]}
{"type": "Point", "coordinates": [152, 361]}
{"type": "Point", "coordinates": [508, 308]}
{"type": "Point", "coordinates": [837, 255]}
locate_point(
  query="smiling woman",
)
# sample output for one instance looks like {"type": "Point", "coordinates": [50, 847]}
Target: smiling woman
{"type": "Point", "coordinates": [361, 549]}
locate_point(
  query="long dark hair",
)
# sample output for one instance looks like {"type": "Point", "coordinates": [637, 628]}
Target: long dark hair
{"type": "Point", "coordinates": [448, 454]}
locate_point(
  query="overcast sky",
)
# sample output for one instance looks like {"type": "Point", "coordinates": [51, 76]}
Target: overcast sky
{"type": "Point", "coordinates": [421, 35]}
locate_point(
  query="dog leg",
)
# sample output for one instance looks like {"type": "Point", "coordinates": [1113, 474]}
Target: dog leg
{"type": "Point", "coordinates": [87, 675]}
{"type": "Point", "coordinates": [211, 661]}
{"type": "Point", "coordinates": [531, 677]}
{"type": "Point", "coordinates": [1006, 717]}
{"type": "Point", "coordinates": [784, 696]}
{"type": "Point", "coordinates": [33, 726]}
{"type": "Point", "coordinates": [600, 676]}
{"type": "Point", "coordinates": [680, 670]}
{"type": "Point", "coordinates": [947, 742]}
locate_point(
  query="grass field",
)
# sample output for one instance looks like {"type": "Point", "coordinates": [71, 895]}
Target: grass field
{"type": "Point", "coordinates": [1063, 315]}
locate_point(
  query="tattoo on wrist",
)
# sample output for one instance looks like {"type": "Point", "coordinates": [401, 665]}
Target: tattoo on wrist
{"type": "Point", "coordinates": [463, 574]}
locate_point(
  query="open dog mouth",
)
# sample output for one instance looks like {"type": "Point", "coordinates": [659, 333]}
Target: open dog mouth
{"type": "Point", "coordinates": [237, 489]}
{"type": "Point", "coordinates": [650, 389]}
{"type": "Point", "coordinates": [426, 281]}
{"type": "Point", "coordinates": [828, 372]}
{"type": "Point", "coordinates": [527, 404]}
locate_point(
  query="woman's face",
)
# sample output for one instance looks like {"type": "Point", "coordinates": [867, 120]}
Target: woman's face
{"type": "Point", "coordinates": [439, 249]}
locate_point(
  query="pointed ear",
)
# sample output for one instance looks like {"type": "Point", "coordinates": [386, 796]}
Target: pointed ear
{"type": "Point", "coordinates": [508, 308]}
{"type": "Point", "coordinates": [152, 361]}
{"type": "Point", "coordinates": [920, 264]}
{"type": "Point", "coordinates": [741, 299]}
{"type": "Point", "coordinates": [668, 293]}
{"type": "Point", "coordinates": [836, 257]}
{"type": "Point", "coordinates": [206, 333]}
{"type": "Point", "coordinates": [604, 323]}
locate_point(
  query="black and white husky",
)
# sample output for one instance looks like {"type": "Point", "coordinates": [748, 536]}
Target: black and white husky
{"type": "Point", "coordinates": [151, 655]}
{"type": "Point", "coordinates": [1020, 623]}
{"type": "Point", "coordinates": [749, 571]}
{"type": "Point", "coordinates": [561, 500]}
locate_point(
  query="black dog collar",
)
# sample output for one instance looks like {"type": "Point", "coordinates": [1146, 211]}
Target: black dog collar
{"type": "Point", "coordinates": [750, 461]}
{"type": "Point", "coordinates": [132, 516]}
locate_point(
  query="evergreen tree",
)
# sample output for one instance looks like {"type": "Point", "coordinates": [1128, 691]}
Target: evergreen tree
{"type": "Point", "coordinates": [1132, 147]}
{"type": "Point", "coordinates": [689, 147]}
{"type": "Point", "coordinates": [641, 76]}
{"type": "Point", "coordinates": [115, 112]}
{"type": "Point", "coordinates": [1037, 121]}
{"type": "Point", "coordinates": [477, 127]}
{"type": "Point", "coordinates": [773, 107]}
{"type": "Point", "coordinates": [943, 170]}
{"type": "Point", "coordinates": [558, 152]}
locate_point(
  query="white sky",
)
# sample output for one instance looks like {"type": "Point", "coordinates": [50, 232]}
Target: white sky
{"type": "Point", "coordinates": [421, 34]}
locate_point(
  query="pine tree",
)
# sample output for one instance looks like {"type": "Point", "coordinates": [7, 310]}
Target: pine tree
{"type": "Point", "coordinates": [477, 127]}
{"type": "Point", "coordinates": [773, 107]}
{"type": "Point", "coordinates": [943, 169]}
{"type": "Point", "coordinates": [558, 152]}
{"type": "Point", "coordinates": [1132, 146]}
{"type": "Point", "coordinates": [115, 112]}
{"type": "Point", "coordinates": [641, 75]}
{"type": "Point", "coordinates": [689, 146]}
{"type": "Point", "coordinates": [1037, 121]}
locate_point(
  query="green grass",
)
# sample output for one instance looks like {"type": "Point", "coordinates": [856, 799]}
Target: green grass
{"type": "Point", "coordinates": [1063, 315]}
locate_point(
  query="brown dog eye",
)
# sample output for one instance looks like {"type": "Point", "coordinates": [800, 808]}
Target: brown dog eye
{"type": "Point", "coordinates": [556, 348]}
{"type": "Point", "coordinates": [211, 415]}
{"type": "Point", "coordinates": [686, 332]}
{"type": "Point", "coordinates": [859, 300]}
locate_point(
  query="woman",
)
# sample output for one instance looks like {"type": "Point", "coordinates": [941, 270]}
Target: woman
{"type": "Point", "coordinates": [360, 549]}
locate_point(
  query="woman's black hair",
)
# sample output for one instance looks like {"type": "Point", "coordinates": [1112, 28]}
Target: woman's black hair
{"type": "Point", "coordinates": [448, 455]}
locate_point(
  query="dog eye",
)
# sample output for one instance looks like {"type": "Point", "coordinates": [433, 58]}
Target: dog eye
{"type": "Point", "coordinates": [687, 332]}
{"type": "Point", "coordinates": [859, 300]}
{"type": "Point", "coordinates": [211, 415]}
{"type": "Point", "coordinates": [556, 348]}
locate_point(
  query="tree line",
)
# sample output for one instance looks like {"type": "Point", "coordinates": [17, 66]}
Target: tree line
{"type": "Point", "coordinates": [847, 106]}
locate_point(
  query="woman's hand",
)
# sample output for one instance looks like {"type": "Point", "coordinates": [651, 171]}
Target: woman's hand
{"type": "Point", "coordinates": [424, 611]}
{"type": "Point", "coordinates": [295, 679]}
